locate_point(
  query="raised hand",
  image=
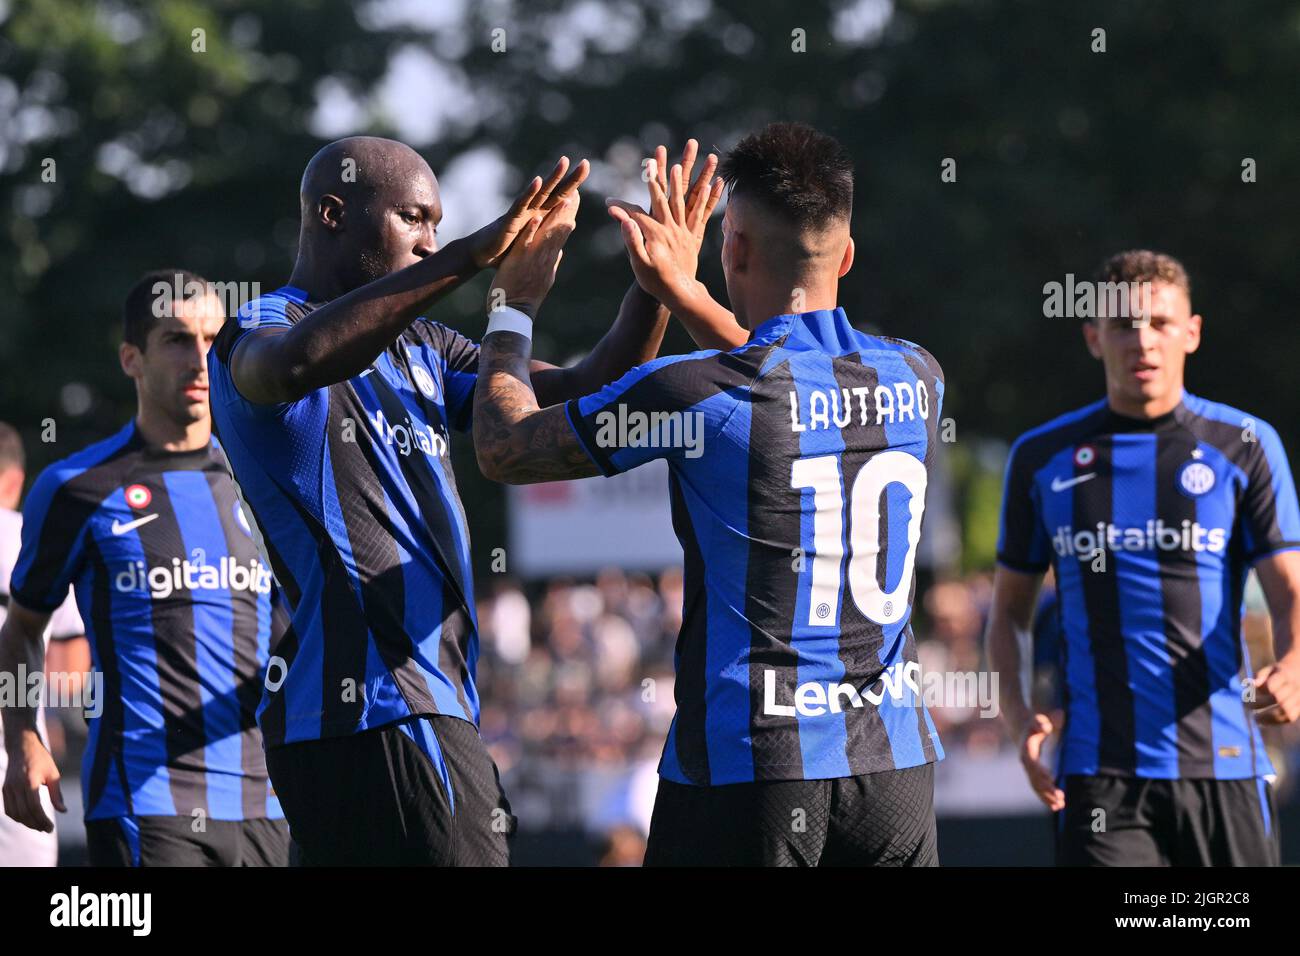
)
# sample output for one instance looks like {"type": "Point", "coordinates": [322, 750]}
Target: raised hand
{"type": "Point", "coordinates": [664, 243]}
{"type": "Point", "coordinates": [533, 202]}
{"type": "Point", "coordinates": [527, 271]}
{"type": "Point", "coordinates": [692, 208]}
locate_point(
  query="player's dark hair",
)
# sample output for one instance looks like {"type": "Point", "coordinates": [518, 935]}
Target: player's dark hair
{"type": "Point", "coordinates": [153, 297]}
{"type": "Point", "coordinates": [797, 172]}
{"type": "Point", "coordinates": [12, 454]}
{"type": "Point", "coordinates": [1143, 265]}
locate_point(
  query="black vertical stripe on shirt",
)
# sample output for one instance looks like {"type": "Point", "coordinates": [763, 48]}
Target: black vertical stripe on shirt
{"type": "Point", "coordinates": [419, 478]}
{"type": "Point", "coordinates": [385, 595]}
{"type": "Point", "coordinates": [1180, 588]}
{"type": "Point", "coordinates": [457, 626]}
{"type": "Point", "coordinates": [1251, 458]}
{"type": "Point", "coordinates": [771, 582]}
{"type": "Point", "coordinates": [244, 629]}
{"type": "Point", "coordinates": [926, 370]}
{"type": "Point", "coordinates": [108, 748]}
{"type": "Point", "coordinates": [347, 626]}
{"type": "Point", "coordinates": [1093, 502]}
{"type": "Point", "coordinates": [861, 639]}
{"type": "Point", "coordinates": [692, 651]}
{"type": "Point", "coordinates": [176, 643]}
{"type": "Point", "coordinates": [286, 647]}
{"type": "Point", "coordinates": [1237, 595]}
{"type": "Point", "coordinates": [453, 647]}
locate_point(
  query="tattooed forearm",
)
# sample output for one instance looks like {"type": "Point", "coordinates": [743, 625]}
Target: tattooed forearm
{"type": "Point", "coordinates": [515, 441]}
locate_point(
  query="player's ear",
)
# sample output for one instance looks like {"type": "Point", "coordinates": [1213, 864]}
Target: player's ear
{"type": "Point", "coordinates": [739, 249]}
{"type": "Point", "coordinates": [847, 262]}
{"type": "Point", "coordinates": [1193, 333]}
{"type": "Point", "coordinates": [130, 359]}
{"type": "Point", "coordinates": [1091, 337]}
{"type": "Point", "coordinates": [330, 212]}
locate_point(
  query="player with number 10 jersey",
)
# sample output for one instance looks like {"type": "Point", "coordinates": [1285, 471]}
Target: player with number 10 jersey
{"type": "Point", "coordinates": [799, 524]}
{"type": "Point", "coordinates": [798, 459]}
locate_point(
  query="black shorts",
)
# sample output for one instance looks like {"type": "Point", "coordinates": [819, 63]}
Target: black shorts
{"type": "Point", "coordinates": [1135, 821]}
{"type": "Point", "coordinates": [422, 792]}
{"type": "Point", "coordinates": [875, 819]}
{"type": "Point", "coordinates": [172, 841]}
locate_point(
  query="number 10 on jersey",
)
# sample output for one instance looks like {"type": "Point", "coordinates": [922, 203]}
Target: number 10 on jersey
{"type": "Point", "coordinates": [822, 475]}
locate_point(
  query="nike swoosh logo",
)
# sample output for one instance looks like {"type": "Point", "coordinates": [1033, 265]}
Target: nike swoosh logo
{"type": "Point", "coordinates": [1059, 485]}
{"type": "Point", "coordinates": [120, 528]}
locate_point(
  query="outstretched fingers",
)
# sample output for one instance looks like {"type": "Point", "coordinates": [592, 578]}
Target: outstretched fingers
{"type": "Point", "coordinates": [703, 196]}
{"type": "Point", "coordinates": [689, 153]}
{"type": "Point", "coordinates": [629, 218]}
{"type": "Point", "coordinates": [569, 187]}
{"type": "Point", "coordinates": [543, 194]}
{"type": "Point", "coordinates": [677, 194]}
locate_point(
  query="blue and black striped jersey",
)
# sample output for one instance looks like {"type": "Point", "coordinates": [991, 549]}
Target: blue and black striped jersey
{"type": "Point", "coordinates": [177, 605]}
{"type": "Point", "coordinates": [1152, 526]}
{"type": "Point", "coordinates": [798, 468]}
{"type": "Point", "coordinates": [353, 488]}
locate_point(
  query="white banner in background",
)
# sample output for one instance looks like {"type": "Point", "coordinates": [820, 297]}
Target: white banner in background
{"type": "Point", "coordinates": [579, 527]}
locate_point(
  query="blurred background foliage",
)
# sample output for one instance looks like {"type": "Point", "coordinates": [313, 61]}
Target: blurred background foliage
{"type": "Point", "coordinates": [177, 147]}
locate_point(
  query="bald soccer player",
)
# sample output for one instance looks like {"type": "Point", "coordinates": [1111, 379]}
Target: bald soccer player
{"type": "Point", "coordinates": [335, 396]}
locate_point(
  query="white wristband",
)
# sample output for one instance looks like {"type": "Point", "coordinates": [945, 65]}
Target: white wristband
{"type": "Point", "coordinates": [506, 319]}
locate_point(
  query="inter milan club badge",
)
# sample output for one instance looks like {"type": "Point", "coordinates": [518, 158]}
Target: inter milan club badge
{"type": "Point", "coordinates": [1085, 456]}
{"type": "Point", "coordinates": [1195, 478]}
{"type": "Point", "coordinates": [138, 496]}
{"type": "Point", "coordinates": [424, 382]}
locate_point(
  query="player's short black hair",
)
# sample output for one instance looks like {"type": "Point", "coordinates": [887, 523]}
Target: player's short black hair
{"type": "Point", "coordinates": [153, 297]}
{"type": "Point", "coordinates": [12, 454]}
{"type": "Point", "coordinates": [796, 171]}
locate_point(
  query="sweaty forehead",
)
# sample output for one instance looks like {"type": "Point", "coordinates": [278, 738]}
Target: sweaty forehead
{"type": "Point", "coordinates": [409, 182]}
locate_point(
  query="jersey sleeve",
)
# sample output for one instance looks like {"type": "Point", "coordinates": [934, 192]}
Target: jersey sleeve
{"type": "Point", "coordinates": [289, 434]}
{"type": "Point", "coordinates": [1022, 542]}
{"type": "Point", "coordinates": [66, 622]}
{"type": "Point", "coordinates": [669, 408]}
{"type": "Point", "coordinates": [53, 543]}
{"type": "Point", "coordinates": [257, 315]}
{"type": "Point", "coordinates": [1270, 515]}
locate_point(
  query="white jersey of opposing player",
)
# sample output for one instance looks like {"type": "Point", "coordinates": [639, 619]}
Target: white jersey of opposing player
{"type": "Point", "coordinates": [20, 845]}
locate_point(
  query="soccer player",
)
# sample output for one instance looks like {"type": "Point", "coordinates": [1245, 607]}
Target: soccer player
{"type": "Point", "coordinates": [20, 845]}
{"type": "Point", "coordinates": [334, 397]}
{"type": "Point", "coordinates": [799, 463]}
{"type": "Point", "coordinates": [1151, 505]}
{"type": "Point", "coordinates": [178, 607]}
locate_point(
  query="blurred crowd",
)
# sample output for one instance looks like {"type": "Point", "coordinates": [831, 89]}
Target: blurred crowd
{"type": "Point", "coordinates": [582, 674]}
